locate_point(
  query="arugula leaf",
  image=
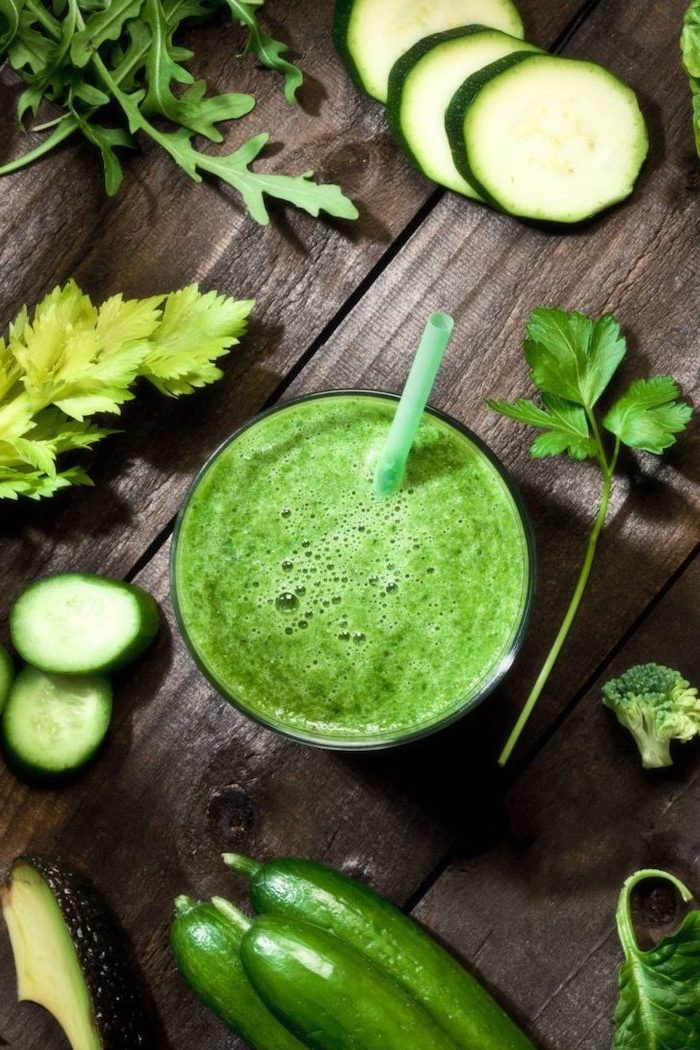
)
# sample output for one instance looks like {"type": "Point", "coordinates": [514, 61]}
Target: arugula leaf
{"type": "Point", "coordinates": [69, 361]}
{"type": "Point", "coordinates": [268, 51]}
{"type": "Point", "coordinates": [659, 1004]}
{"type": "Point", "coordinates": [572, 360]}
{"type": "Point", "coordinates": [690, 49]}
{"type": "Point", "coordinates": [253, 186]}
{"type": "Point", "coordinates": [10, 11]}
{"type": "Point", "coordinates": [649, 415]}
{"type": "Point", "coordinates": [107, 24]}
{"type": "Point", "coordinates": [565, 425]}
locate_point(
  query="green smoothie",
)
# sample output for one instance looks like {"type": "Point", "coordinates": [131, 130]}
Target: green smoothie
{"type": "Point", "coordinates": [333, 614]}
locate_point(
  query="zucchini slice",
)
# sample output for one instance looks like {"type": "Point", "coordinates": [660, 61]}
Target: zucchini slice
{"type": "Point", "coordinates": [421, 85]}
{"type": "Point", "coordinates": [69, 957]}
{"type": "Point", "coordinates": [75, 623]}
{"type": "Point", "coordinates": [546, 138]}
{"type": "Point", "coordinates": [53, 725]}
{"type": "Point", "coordinates": [370, 35]}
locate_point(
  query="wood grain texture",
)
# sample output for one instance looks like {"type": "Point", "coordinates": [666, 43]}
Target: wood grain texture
{"type": "Point", "coordinates": [183, 776]}
{"type": "Point", "coordinates": [535, 915]}
{"type": "Point", "coordinates": [163, 231]}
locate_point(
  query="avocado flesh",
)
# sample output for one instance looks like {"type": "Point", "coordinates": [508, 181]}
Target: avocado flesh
{"type": "Point", "coordinates": [48, 970]}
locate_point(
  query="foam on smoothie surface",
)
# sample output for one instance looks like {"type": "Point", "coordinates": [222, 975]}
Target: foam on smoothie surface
{"type": "Point", "coordinates": [329, 610]}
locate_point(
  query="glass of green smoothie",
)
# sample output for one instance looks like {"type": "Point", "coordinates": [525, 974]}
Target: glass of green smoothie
{"type": "Point", "coordinates": [337, 617]}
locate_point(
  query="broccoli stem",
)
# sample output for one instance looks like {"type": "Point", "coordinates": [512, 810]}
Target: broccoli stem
{"type": "Point", "coordinates": [607, 469]}
{"type": "Point", "coordinates": [656, 753]}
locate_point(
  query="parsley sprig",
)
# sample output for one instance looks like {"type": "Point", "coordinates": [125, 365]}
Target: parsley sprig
{"type": "Point", "coordinates": [71, 360]}
{"type": "Point", "coordinates": [572, 360]}
{"type": "Point", "coordinates": [115, 70]}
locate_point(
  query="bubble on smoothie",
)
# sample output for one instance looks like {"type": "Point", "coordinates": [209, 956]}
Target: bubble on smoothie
{"type": "Point", "coordinates": [286, 601]}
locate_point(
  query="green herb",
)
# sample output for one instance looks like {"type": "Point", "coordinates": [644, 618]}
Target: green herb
{"type": "Point", "coordinates": [572, 360]}
{"type": "Point", "coordinates": [71, 360]}
{"type": "Point", "coordinates": [99, 61]}
{"type": "Point", "coordinates": [690, 47]}
{"type": "Point", "coordinates": [659, 1004]}
{"type": "Point", "coordinates": [657, 705]}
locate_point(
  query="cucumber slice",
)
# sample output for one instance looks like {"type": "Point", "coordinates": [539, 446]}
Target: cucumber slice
{"type": "Point", "coordinates": [74, 623]}
{"type": "Point", "coordinates": [554, 139]}
{"type": "Point", "coordinates": [6, 675]}
{"type": "Point", "coordinates": [371, 35]}
{"type": "Point", "coordinates": [421, 85]}
{"type": "Point", "coordinates": [52, 724]}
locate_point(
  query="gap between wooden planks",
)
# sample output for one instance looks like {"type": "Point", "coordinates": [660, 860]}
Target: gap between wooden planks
{"type": "Point", "coordinates": [389, 818]}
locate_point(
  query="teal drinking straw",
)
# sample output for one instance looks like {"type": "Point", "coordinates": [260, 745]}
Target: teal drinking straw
{"type": "Point", "coordinates": [404, 426]}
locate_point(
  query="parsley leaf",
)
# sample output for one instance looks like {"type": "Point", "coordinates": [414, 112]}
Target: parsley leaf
{"type": "Point", "coordinates": [572, 360]}
{"type": "Point", "coordinates": [571, 356]}
{"type": "Point", "coordinates": [659, 1003]}
{"type": "Point", "coordinates": [70, 360]}
{"type": "Point", "coordinates": [648, 416]}
{"type": "Point", "coordinates": [564, 424]}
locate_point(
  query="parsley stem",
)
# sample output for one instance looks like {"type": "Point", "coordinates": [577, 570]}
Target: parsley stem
{"type": "Point", "coordinates": [625, 926]}
{"type": "Point", "coordinates": [579, 590]}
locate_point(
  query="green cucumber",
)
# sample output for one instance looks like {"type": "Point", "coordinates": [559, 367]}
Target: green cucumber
{"type": "Point", "coordinates": [547, 138]}
{"type": "Point", "coordinates": [206, 939]}
{"type": "Point", "coordinates": [370, 35]}
{"type": "Point", "coordinates": [294, 889]}
{"type": "Point", "coordinates": [75, 623]}
{"type": "Point", "coordinates": [6, 675]}
{"type": "Point", "coordinates": [330, 995]}
{"type": "Point", "coordinates": [53, 725]}
{"type": "Point", "coordinates": [421, 85]}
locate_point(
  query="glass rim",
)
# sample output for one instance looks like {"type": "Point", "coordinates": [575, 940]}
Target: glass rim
{"type": "Point", "coordinates": [421, 731]}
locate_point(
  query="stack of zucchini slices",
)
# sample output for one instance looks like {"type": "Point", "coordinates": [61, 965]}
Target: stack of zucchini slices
{"type": "Point", "coordinates": [484, 113]}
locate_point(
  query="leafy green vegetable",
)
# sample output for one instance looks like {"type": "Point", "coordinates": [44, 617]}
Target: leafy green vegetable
{"type": "Point", "coordinates": [572, 360]}
{"type": "Point", "coordinates": [690, 48]}
{"type": "Point", "coordinates": [72, 360]}
{"type": "Point", "coordinates": [96, 59]}
{"type": "Point", "coordinates": [657, 705]}
{"type": "Point", "coordinates": [659, 1004]}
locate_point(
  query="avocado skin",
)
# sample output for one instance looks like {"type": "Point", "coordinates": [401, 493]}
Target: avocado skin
{"type": "Point", "coordinates": [120, 1015]}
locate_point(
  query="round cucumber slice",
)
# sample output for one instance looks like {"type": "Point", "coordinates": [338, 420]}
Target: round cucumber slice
{"type": "Point", "coordinates": [53, 725]}
{"type": "Point", "coordinates": [371, 35]}
{"type": "Point", "coordinates": [6, 675]}
{"type": "Point", "coordinates": [547, 138]}
{"type": "Point", "coordinates": [421, 86]}
{"type": "Point", "coordinates": [74, 623]}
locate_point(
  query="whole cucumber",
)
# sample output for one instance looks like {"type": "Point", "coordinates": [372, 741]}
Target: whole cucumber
{"type": "Point", "coordinates": [206, 940]}
{"type": "Point", "coordinates": [330, 995]}
{"type": "Point", "coordinates": [300, 889]}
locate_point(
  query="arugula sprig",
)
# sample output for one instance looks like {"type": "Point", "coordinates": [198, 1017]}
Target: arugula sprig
{"type": "Point", "coordinates": [659, 1003]}
{"type": "Point", "coordinates": [690, 49]}
{"type": "Point", "coordinates": [572, 360]}
{"type": "Point", "coordinates": [71, 360]}
{"type": "Point", "coordinates": [86, 56]}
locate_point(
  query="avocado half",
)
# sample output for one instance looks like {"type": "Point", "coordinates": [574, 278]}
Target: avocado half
{"type": "Point", "coordinates": [70, 959]}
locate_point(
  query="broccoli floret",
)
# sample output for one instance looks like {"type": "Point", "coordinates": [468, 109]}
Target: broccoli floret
{"type": "Point", "coordinates": [657, 705]}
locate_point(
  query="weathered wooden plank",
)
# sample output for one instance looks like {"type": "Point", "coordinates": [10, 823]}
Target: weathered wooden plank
{"type": "Point", "coordinates": [536, 913]}
{"type": "Point", "coordinates": [163, 231]}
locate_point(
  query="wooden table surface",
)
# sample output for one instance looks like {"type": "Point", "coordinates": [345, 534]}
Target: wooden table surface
{"type": "Point", "coordinates": [519, 873]}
